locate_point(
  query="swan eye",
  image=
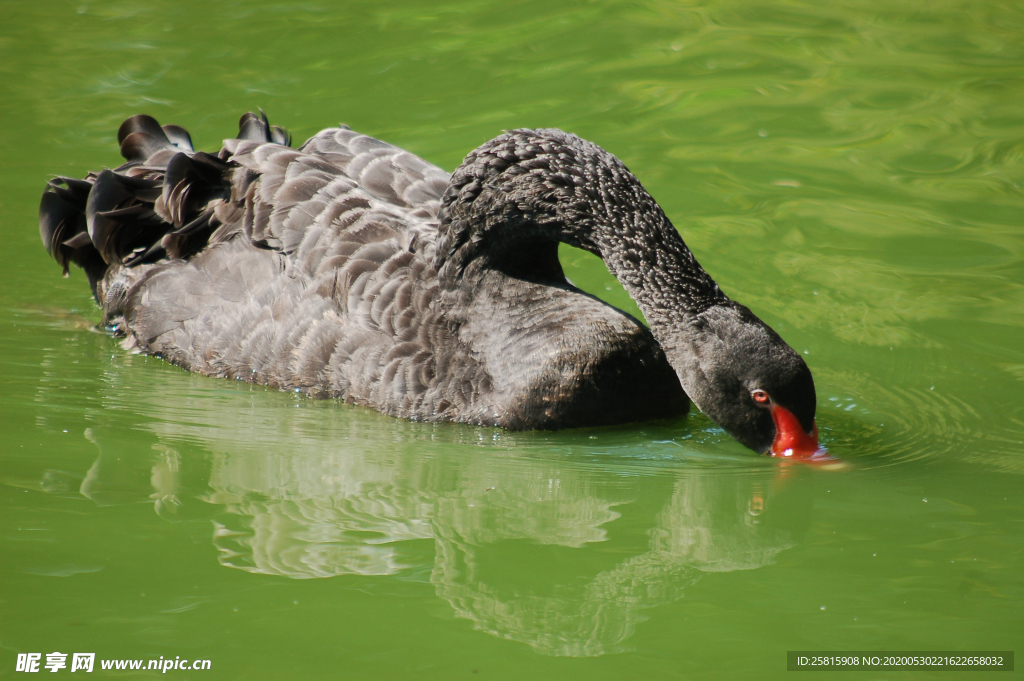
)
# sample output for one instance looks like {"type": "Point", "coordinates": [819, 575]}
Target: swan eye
{"type": "Point", "coordinates": [760, 396]}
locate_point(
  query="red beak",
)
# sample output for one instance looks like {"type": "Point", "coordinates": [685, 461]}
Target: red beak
{"type": "Point", "coordinates": [790, 439]}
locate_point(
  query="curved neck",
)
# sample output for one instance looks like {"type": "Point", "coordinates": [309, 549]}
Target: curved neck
{"type": "Point", "coordinates": [653, 264]}
{"type": "Point", "coordinates": [513, 199]}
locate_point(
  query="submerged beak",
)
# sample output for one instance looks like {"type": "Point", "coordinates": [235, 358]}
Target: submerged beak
{"type": "Point", "coordinates": [790, 439]}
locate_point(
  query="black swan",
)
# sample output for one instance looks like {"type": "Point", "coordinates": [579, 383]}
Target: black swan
{"type": "Point", "coordinates": [350, 268]}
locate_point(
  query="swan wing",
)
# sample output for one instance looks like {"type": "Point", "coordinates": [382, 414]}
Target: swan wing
{"type": "Point", "coordinates": [383, 170]}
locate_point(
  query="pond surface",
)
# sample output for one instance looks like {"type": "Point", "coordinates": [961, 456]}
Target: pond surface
{"type": "Point", "coordinates": [851, 171]}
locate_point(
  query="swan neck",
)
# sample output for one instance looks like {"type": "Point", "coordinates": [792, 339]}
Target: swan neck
{"type": "Point", "coordinates": [656, 268]}
{"type": "Point", "coordinates": [514, 198]}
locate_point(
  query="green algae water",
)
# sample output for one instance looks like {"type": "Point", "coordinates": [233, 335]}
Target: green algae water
{"type": "Point", "coordinates": [851, 171]}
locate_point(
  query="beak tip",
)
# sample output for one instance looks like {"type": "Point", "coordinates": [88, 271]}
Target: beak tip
{"type": "Point", "coordinates": [792, 442]}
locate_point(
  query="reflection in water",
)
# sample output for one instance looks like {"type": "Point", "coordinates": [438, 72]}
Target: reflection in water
{"type": "Point", "coordinates": [525, 546]}
{"type": "Point", "coordinates": [709, 524]}
{"type": "Point", "coordinates": [716, 527]}
{"type": "Point", "coordinates": [309, 515]}
{"type": "Point", "coordinates": [545, 545]}
{"type": "Point", "coordinates": [164, 480]}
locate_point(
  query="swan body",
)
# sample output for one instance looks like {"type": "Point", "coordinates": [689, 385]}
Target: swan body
{"type": "Point", "coordinates": [350, 268]}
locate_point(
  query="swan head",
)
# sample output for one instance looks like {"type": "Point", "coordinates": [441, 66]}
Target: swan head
{"type": "Point", "coordinates": [745, 378]}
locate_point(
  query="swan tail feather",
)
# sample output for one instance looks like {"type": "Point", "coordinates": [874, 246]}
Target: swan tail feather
{"type": "Point", "coordinates": [63, 228]}
{"type": "Point", "coordinates": [255, 128]}
{"type": "Point", "coordinates": [166, 202]}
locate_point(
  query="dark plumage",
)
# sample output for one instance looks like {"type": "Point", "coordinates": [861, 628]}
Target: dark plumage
{"type": "Point", "coordinates": [350, 268]}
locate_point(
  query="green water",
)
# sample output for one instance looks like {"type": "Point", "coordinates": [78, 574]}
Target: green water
{"type": "Point", "coordinates": [851, 171]}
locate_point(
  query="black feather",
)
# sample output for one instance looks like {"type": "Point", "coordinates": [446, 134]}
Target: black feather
{"type": "Point", "coordinates": [119, 218]}
{"type": "Point", "coordinates": [179, 137]}
{"type": "Point", "coordinates": [190, 183]}
{"type": "Point", "coordinates": [139, 123]}
{"type": "Point", "coordinates": [63, 228]}
{"type": "Point", "coordinates": [252, 128]}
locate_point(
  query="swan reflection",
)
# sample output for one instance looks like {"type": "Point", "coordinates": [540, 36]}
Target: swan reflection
{"type": "Point", "coordinates": [322, 515]}
{"type": "Point", "coordinates": [535, 537]}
